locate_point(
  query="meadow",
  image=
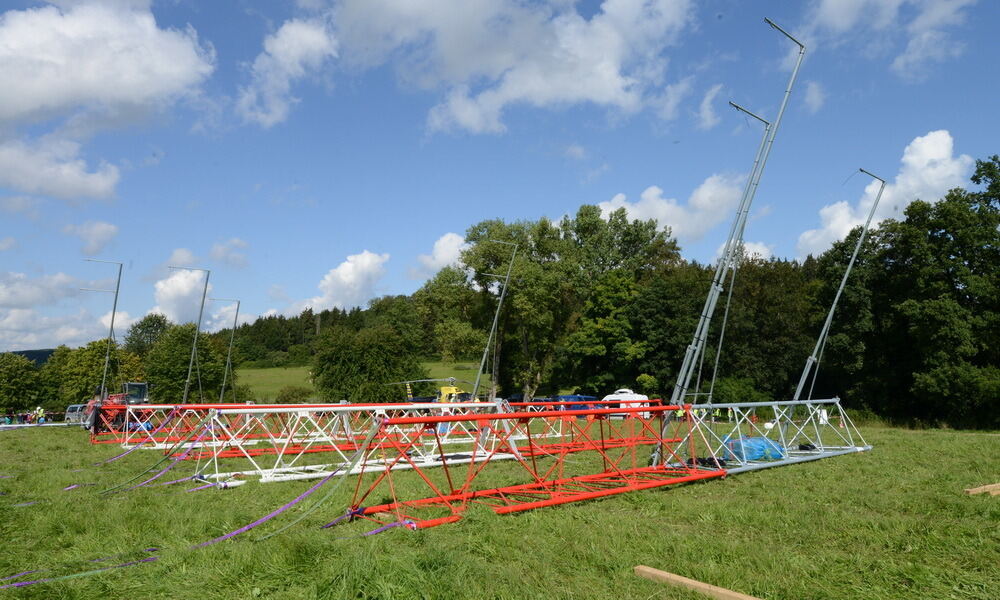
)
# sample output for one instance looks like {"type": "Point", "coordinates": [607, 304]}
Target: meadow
{"type": "Point", "coordinates": [891, 523]}
{"type": "Point", "coordinates": [266, 383]}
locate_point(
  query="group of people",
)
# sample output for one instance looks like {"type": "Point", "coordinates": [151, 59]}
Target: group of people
{"type": "Point", "coordinates": [36, 416]}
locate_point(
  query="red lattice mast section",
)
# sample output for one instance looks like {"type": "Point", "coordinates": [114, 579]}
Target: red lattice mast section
{"type": "Point", "coordinates": [599, 455]}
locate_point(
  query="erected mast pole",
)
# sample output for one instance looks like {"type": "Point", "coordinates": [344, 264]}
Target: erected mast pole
{"type": "Point", "coordinates": [111, 328]}
{"type": "Point", "coordinates": [814, 358]}
{"type": "Point", "coordinates": [229, 354]}
{"type": "Point", "coordinates": [496, 318]}
{"type": "Point", "coordinates": [197, 329]}
{"type": "Point", "coordinates": [732, 244]}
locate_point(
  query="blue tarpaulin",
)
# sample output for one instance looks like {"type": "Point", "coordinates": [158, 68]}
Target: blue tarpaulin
{"type": "Point", "coordinates": [755, 448]}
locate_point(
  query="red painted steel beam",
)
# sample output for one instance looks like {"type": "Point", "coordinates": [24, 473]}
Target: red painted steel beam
{"type": "Point", "coordinates": [532, 415]}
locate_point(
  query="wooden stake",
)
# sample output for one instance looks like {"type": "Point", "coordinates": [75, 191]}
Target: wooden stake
{"type": "Point", "coordinates": [705, 588]}
{"type": "Point", "coordinates": [993, 487]}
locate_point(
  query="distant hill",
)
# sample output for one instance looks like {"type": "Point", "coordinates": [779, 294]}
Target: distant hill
{"type": "Point", "coordinates": [36, 356]}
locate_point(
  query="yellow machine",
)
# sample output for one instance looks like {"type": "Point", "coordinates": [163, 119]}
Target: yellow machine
{"type": "Point", "coordinates": [449, 393]}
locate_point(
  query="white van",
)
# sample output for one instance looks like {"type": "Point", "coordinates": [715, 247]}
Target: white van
{"type": "Point", "coordinates": [625, 394]}
{"type": "Point", "coordinates": [75, 413]}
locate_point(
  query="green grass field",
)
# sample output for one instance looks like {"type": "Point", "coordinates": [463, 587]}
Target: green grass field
{"type": "Point", "coordinates": [892, 523]}
{"type": "Point", "coordinates": [266, 383]}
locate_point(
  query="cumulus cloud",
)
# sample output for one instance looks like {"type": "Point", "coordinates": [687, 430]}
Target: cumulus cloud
{"type": "Point", "coordinates": [707, 118]}
{"type": "Point", "coordinates": [446, 252]}
{"type": "Point", "coordinates": [489, 55]}
{"type": "Point", "coordinates": [228, 252]}
{"type": "Point", "coordinates": [298, 48]}
{"type": "Point", "coordinates": [54, 168]}
{"type": "Point", "coordinates": [122, 320]}
{"type": "Point", "coordinates": [711, 203]}
{"type": "Point", "coordinates": [921, 25]}
{"type": "Point", "coordinates": [815, 97]}
{"type": "Point", "coordinates": [95, 235]}
{"type": "Point", "coordinates": [929, 169]}
{"type": "Point", "coordinates": [349, 284]}
{"type": "Point", "coordinates": [178, 296]}
{"type": "Point", "coordinates": [29, 329]}
{"type": "Point", "coordinates": [222, 317]}
{"type": "Point", "coordinates": [7, 243]}
{"type": "Point", "coordinates": [751, 250]}
{"type": "Point", "coordinates": [73, 69]}
{"type": "Point", "coordinates": [24, 325]}
{"type": "Point", "coordinates": [93, 54]}
{"type": "Point", "coordinates": [17, 290]}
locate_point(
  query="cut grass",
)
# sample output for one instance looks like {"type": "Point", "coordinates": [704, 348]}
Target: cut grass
{"type": "Point", "coordinates": [892, 523]}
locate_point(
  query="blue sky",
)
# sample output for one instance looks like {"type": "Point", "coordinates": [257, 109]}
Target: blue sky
{"type": "Point", "coordinates": [320, 153]}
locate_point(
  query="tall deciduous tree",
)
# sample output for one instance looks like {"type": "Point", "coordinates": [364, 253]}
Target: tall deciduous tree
{"type": "Point", "coordinates": [357, 365]}
{"type": "Point", "coordinates": [932, 350]}
{"type": "Point", "coordinates": [167, 367]}
{"type": "Point", "coordinates": [81, 373]}
{"type": "Point", "coordinates": [553, 277]}
{"type": "Point", "coordinates": [144, 333]}
{"type": "Point", "coordinates": [18, 382]}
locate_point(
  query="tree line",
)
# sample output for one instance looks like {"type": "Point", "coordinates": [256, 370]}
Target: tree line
{"type": "Point", "coordinates": [597, 302]}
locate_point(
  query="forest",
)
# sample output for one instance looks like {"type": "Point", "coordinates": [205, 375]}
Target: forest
{"type": "Point", "coordinates": [597, 302]}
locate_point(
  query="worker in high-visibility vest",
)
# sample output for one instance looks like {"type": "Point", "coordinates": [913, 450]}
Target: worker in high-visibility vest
{"type": "Point", "coordinates": [39, 415]}
{"type": "Point", "coordinates": [680, 414]}
{"type": "Point", "coordinates": [717, 415]}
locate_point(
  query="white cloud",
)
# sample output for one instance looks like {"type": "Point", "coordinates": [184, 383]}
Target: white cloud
{"type": "Point", "coordinates": [924, 49]}
{"type": "Point", "coordinates": [227, 252]}
{"type": "Point", "coordinates": [758, 249]}
{"type": "Point", "coordinates": [297, 49]}
{"type": "Point", "coordinates": [25, 303]}
{"type": "Point", "coordinates": [178, 296]}
{"type": "Point", "coordinates": [351, 283]}
{"type": "Point", "coordinates": [707, 118]}
{"type": "Point", "coordinates": [490, 55]}
{"type": "Point", "coordinates": [815, 97]}
{"type": "Point", "coordinates": [710, 204]}
{"type": "Point", "coordinates": [222, 318]}
{"type": "Point", "coordinates": [928, 170]}
{"type": "Point", "coordinates": [72, 70]}
{"type": "Point", "coordinates": [447, 252]}
{"type": "Point", "coordinates": [54, 168]}
{"type": "Point", "coordinates": [923, 24]}
{"type": "Point", "coordinates": [93, 54]}
{"type": "Point", "coordinates": [751, 250]}
{"type": "Point", "coordinates": [17, 290]}
{"type": "Point", "coordinates": [669, 103]}
{"type": "Point", "coordinates": [7, 243]}
{"type": "Point", "coordinates": [122, 321]}
{"type": "Point", "coordinates": [181, 257]}
{"type": "Point", "coordinates": [21, 205]}
{"type": "Point", "coordinates": [95, 235]}
{"type": "Point", "coordinates": [29, 329]}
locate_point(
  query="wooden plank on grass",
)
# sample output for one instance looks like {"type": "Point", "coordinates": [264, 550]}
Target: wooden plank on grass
{"type": "Point", "coordinates": [705, 588]}
{"type": "Point", "coordinates": [983, 489]}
